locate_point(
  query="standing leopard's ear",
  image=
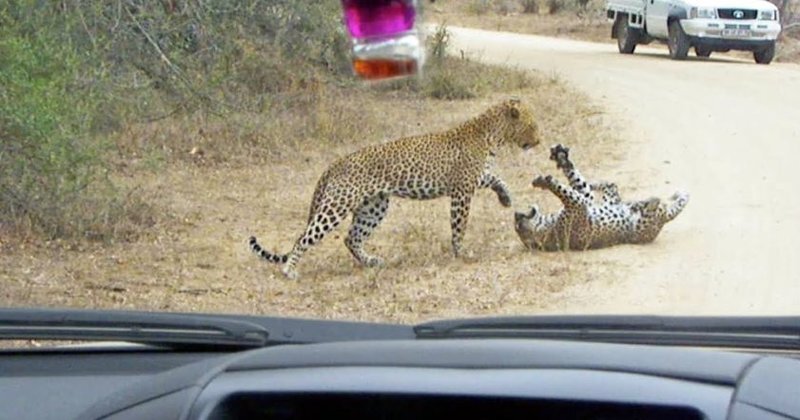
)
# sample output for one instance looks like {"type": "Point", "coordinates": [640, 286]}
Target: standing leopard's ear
{"type": "Point", "coordinates": [513, 107]}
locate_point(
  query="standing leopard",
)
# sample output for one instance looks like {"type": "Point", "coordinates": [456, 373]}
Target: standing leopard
{"type": "Point", "coordinates": [451, 163]}
{"type": "Point", "coordinates": [583, 223]}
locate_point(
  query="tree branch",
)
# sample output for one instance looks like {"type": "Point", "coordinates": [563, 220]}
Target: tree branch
{"type": "Point", "coordinates": [163, 57]}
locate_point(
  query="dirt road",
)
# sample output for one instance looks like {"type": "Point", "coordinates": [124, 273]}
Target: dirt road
{"type": "Point", "coordinates": [726, 131]}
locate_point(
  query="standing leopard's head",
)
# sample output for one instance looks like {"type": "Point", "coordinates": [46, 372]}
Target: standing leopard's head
{"type": "Point", "coordinates": [521, 128]}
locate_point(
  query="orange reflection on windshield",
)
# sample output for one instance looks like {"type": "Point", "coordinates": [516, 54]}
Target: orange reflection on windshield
{"type": "Point", "coordinates": [374, 69]}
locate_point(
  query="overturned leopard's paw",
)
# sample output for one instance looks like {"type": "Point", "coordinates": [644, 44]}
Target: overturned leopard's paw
{"type": "Point", "coordinates": [505, 199]}
{"type": "Point", "coordinates": [542, 181]}
{"type": "Point", "coordinates": [560, 155]}
{"type": "Point", "coordinates": [520, 216]}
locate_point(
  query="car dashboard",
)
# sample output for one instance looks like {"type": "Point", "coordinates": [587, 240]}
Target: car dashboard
{"type": "Point", "coordinates": [472, 378]}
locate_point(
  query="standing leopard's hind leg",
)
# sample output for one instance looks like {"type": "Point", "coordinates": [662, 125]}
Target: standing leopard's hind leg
{"type": "Point", "coordinates": [322, 220]}
{"type": "Point", "coordinates": [365, 219]}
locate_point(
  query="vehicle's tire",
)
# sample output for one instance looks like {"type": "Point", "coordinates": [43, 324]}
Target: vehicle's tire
{"type": "Point", "coordinates": [627, 37]}
{"type": "Point", "coordinates": [702, 51]}
{"type": "Point", "coordinates": [765, 55]}
{"type": "Point", "coordinates": [678, 42]}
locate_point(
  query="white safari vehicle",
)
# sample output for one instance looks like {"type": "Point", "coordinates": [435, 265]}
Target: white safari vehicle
{"type": "Point", "coordinates": [706, 25]}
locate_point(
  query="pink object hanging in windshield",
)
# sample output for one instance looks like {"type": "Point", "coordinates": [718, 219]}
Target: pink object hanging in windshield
{"type": "Point", "coordinates": [376, 18]}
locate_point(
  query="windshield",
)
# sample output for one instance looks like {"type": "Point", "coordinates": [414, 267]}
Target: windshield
{"type": "Point", "coordinates": [271, 158]}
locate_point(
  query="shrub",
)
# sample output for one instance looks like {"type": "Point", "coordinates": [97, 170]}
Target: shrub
{"type": "Point", "coordinates": [554, 6]}
{"type": "Point", "coordinates": [442, 82]}
{"type": "Point", "coordinates": [458, 78]}
{"type": "Point", "coordinates": [479, 7]}
{"type": "Point", "coordinates": [530, 6]}
{"type": "Point", "coordinates": [438, 43]}
{"type": "Point", "coordinates": [72, 73]}
{"type": "Point", "coordinates": [505, 7]}
{"type": "Point", "coordinates": [44, 164]}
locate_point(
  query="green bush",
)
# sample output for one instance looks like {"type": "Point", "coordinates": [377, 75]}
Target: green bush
{"type": "Point", "coordinates": [73, 72]}
{"type": "Point", "coordinates": [45, 163]}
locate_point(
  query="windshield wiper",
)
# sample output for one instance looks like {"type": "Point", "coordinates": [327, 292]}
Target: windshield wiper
{"type": "Point", "coordinates": [161, 329]}
{"type": "Point", "coordinates": [195, 331]}
{"type": "Point", "coordinates": [774, 333]}
{"type": "Point", "coordinates": [186, 330]}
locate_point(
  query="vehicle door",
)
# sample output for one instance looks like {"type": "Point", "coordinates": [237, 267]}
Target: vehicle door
{"type": "Point", "coordinates": [656, 17]}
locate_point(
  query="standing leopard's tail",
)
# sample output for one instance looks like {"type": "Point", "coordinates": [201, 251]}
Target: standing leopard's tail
{"type": "Point", "coordinates": [263, 253]}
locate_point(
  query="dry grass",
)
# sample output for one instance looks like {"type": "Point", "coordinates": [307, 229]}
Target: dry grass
{"type": "Point", "coordinates": [789, 48]}
{"type": "Point", "coordinates": [247, 176]}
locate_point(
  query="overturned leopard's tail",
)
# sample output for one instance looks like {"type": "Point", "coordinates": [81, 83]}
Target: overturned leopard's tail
{"type": "Point", "coordinates": [679, 201]}
{"type": "Point", "coordinates": [266, 255]}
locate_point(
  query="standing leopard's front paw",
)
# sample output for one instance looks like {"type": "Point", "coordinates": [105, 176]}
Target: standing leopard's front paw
{"type": "Point", "coordinates": [542, 181]}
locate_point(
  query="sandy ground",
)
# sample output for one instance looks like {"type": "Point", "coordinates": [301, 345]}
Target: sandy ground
{"type": "Point", "coordinates": [726, 131]}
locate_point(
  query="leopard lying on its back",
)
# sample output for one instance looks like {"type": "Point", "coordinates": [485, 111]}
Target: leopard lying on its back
{"type": "Point", "coordinates": [451, 163]}
{"type": "Point", "coordinates": [584, 223]}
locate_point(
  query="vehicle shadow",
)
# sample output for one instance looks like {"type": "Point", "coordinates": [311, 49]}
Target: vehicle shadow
{"type": "Point", "coordinates": [665, 56]}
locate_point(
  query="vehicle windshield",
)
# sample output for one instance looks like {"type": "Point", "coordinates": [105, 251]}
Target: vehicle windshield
{"type": "Point", "coordinates": [423, 161]}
